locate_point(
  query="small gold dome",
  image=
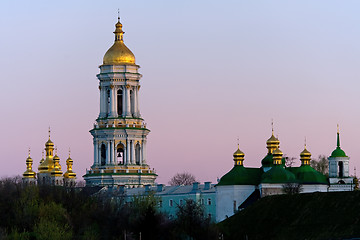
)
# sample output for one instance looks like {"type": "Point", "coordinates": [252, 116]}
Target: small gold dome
{"type": "Point", "coordinates": [272, 140]}
{"type": "Point", "coordinates": [277, 152]}
{"type": "Point", "coordinates": [118, 53]}
{"type": "Point", "coordinates": [238, 154]}
{"type": "Point", "coordinates": [305, 153]}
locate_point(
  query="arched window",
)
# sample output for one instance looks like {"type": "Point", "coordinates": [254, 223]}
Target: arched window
{"type": "Point", "coordinates": [341, 169]}
{"type": "Point", "coordinates": [103, 154]}
{"type": "Point", "coordinates": [120, 154]}
{"type": "Point", "coordinates": [120, 102]}
{"type": "Point", "coordinates": [137, 154]}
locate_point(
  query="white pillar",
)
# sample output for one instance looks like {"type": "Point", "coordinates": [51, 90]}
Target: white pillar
{"type": "Point", "coordinates": [112, 113]}
{"type": "Point", "coordinates": [123, 101]}
{"type": "Point", "coordinates": [96, 149]}
{"type": "Point", "coordinates": [137, 102]}
{"type": "Point", "coordinates": [99, 153]}
{"type": "Point", "coordinates": [128, 103]}
{"type": "Point", "coordinates": [127, 152]}
{"type": "Point", "coordinates": [132, 152]}
{"type": "Point", "coordinates": [141, 152]}
{"type": "Point", "coordinates": [102, 102]}
{"type": "Point", "coordinates": [112, 159]}
{"type": "Point", "coordinates": [108, 152]}
{"type": "Point", "coordinates": [144, 152]}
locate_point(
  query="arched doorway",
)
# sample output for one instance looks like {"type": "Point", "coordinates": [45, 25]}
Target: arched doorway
{"type": "Point", "coordinates": [137, 154]}
{"type": "Point", "coordinates": [103, 154]}
{"type": "Point", "coordinates": [120, 154]}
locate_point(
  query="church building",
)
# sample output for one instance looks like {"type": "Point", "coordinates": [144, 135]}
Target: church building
{"type": "Point", "coordinates": [50, 169]}
{"type": "Point", "coordinates": [120, 133]}
{"type": "Point", "coordinates": [242, 184]}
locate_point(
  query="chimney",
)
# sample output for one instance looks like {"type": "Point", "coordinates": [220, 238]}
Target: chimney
{"type": "Point", "coordinates": [147, 188]}
{"type": "Point", "coordinates": [207, 185]}
{"type": "Point", "coordinates": [195, 186]}
{"type": "Point", "coordinates": [160, 188]}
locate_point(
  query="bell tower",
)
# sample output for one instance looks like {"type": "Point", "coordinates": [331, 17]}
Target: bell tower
{"type": "Point", "coordinates": [119, 133]}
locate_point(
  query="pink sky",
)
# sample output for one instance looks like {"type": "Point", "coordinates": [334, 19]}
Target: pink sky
{"type": "Point", "coordinates": [212, 72]}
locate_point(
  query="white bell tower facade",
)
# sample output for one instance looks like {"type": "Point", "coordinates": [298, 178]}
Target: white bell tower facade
{"type": "Point", "coordinates": [119, 134]}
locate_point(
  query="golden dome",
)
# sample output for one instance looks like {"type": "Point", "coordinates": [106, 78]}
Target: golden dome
{"type": "Point", "coordinates": [238, 154]}
{"type": "Point", "coordinates": [272, 140]}
{"type": "Point", "coordinates": [305, 154]}
{"type": "Point", "coordinates": [277, 152]}
{"type": "Point", "coordinates": [118, 53]}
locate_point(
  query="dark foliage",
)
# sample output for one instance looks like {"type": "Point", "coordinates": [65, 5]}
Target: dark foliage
{"type": "Point", "coordinates": [44, 212]}
{"type": "Point", "coordinates": [332, 215]}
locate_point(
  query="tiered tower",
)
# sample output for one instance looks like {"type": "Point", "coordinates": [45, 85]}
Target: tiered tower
{"type": "Point", "coordinates": [29, 176]}
{"type": "Point", "coordinates": [119, 134]}
{"type": "Point", "coordinates": [339, 168]}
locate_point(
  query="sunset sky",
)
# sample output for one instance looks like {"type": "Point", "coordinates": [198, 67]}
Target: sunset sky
{"type": "Point", "coordinates": [213, 71]}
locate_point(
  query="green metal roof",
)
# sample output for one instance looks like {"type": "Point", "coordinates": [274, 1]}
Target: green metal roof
{"type": "Point", "coordinates": [338, 152]}
{"type": "Point", "coordinates": [307, 175]}
{"type": "Point", "coordinates": [278, 174]}
{"type": "Point", "coordinates": [240, 175]}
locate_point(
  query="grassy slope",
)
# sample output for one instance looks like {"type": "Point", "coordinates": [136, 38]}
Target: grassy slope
{"type": "Point", "coordinates": [304, 216]}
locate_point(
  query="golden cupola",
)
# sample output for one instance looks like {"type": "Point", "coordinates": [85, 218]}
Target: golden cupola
{"type": "Point", "coordinates": [56, 171]}
{"type": "Point", "coordinates": [119, 53]}
{"type": "Point", "coordinates": [277, 156]}
{"type": "Point", "coordinates": [29, 173]}
{"type": "Point", "coordinates": [48, 164]}
{"type": "Point", "coordinates": [239, 157]}
{"type": "Point", "coordinates": [272, 143]}
{"type": "Point", "coordinates": [305, 157]}
{"type": "Point", "coordinates": [69, 173]}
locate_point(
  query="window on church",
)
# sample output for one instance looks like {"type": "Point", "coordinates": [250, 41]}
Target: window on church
{"type": "Point", "coordinates": [341, 169]}
{"type": "Point", "coordinates": [120, 154]}
{"type": "Point", "coordinates": [209, 201]}
{"type": "Point", "coordinates": [137, 154]}
{"type": "Point", "coordinates": [181, 201]}
{"type": "Point", "coordinates": [171, 203]}
{"type": "Point", "coordinates": [160, 203]}
{"type": "Point", "coordinates": [120, 102]}
{"type": "Point", "coordinates": [103, 154]}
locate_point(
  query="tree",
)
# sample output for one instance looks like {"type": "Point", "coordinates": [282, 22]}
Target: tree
{"type": "Point", "coordinates": [290, 161]}
{"type": "Point", "coordinates": [184, 178]}
{"type": "Point", "coordinates": [191, 222]}
{"type": "Point", "coordinates": [321, 164]}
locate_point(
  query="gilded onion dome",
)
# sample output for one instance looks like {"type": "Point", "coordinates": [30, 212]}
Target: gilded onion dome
{"type": "Point", "coordinates": [69, 173]}
{"type": "Point", "coordinates": [48, 164]}
{"type": "Point", "coordinates": [305, 157]}
{"type": "Point", "coordinates": [272, 143]}
{"type": "Point", "coordinates": [119, 53]}
{"type": "Point", "coordinates": [277, 156]}
{"type": "Point", "coordinates": [56, 171]}
{"type": "Point", "coordinates": [29, 173]}
{"type": "Point", "coordinates": [239, 157]}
